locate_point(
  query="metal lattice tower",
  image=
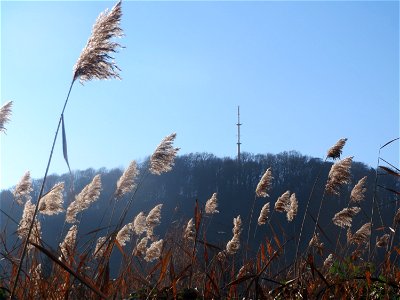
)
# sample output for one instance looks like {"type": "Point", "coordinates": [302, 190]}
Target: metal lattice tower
{"type": "Point", "coordinates": [238, 135]}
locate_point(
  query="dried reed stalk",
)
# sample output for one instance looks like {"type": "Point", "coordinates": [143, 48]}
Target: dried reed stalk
{"type": "Point", "coordinates": [94, 62]}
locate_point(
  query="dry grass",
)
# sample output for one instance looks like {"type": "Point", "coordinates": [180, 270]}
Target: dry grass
{"type": "Point", "coordinates": [183, 264]}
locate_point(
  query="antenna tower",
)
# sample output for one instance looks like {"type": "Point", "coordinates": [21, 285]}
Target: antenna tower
{"type": "Point", "coordinates": [238, 135]}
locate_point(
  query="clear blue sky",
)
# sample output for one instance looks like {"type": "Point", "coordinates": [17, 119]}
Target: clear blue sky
{"type": "Point", "coordinates": [304, 74]}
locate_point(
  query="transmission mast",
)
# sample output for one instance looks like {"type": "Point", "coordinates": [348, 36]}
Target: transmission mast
{"type": "Point", "coordinates": [238, 135]}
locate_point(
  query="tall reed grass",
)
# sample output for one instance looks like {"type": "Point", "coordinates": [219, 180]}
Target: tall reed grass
{"type": "Point", "coordinates": [183, 264]}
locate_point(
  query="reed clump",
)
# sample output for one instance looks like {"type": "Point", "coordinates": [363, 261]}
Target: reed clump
{"type": "Point", "coordinates": [183, 263]}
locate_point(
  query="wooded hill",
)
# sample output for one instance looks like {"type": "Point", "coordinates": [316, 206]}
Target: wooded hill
{"type": "Point", "coordinates": [197, 176]}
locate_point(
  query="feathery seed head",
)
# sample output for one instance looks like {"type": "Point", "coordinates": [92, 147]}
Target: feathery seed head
{"type": "Point", "coordinates": [316, 243]}
{"type": "Point", "coordinates": [163, 157]}
{"type": "Point", "coordinates": [212, 204]}
{"type": "Point", "coordinates": [141, 246]}
{"type": "Point", "coordinates": [344, 217]}
{"type": "Point", "coordinates": [234, 244]}
{"type": "Point", "coordinates": [265, 184]}
{"type": "Point", "coordinates": [292, 212]}
{"type": "Point", "coordinates": [23, 189]}
{"type": "Point", "coordinates": [154, 251]}
{"type": "Point", "coordinates": [339, 175]}
{"type": "Point", "coordinates": [357, 193]}
{"type": "Point", "coordinates": [5, 113]}
{"type": "Point", "coordinates": [153, 219]}
{"type": "Point", "coordinates": [382, 241]}
{"type": "Point", "coordinates": [189, 231]}
{"type": "Point", "coordinates": [95, 60]}
{"type": "Point", "coordinates": [139, 223]}
{"type": "Point", "coordinates": [126, 182]}
{"type": "Point", "coordinates": [283, 202]}
{"type": "Point", "coordinates": [100, 247]}
{"type": "Point", "coordinates": [336, 150]}
{"type": "Point", "coordinates": [88, 195]}
{"type": "Point", "coordinates": [27, 216]}
{"type": "Point", "coordinates": [52, 202]}
{"type": "Point", "coordinates": [124, 235]}
{"type": "Point", "coordinates": [362, 235]}
{"type": "Point", "coordinates": [262, 219]}
{"type": "Point", "coordinates": [90, 192]}
{"type": "Point", "coordinates": [68, 244]}
{"type": "Point", "coordinates": [237, 225]}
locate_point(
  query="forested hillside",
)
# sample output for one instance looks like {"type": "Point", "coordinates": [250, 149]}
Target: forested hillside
{"type": "Point", "coordinates": [196, 177]}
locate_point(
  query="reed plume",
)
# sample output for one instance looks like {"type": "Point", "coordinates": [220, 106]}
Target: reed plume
{"type": "Point", "coordinates": [264, 184]}
{"type": "Point", "coordinates": [292, 212]}
{"type": "Point", "coordinates": [382, 241]}
{"type": "Point", "coordinates": [69, 242]}
{"type": "Point", "coordinates": [189, 231]}
{"type": "Point", "coordinates": [283, 202]}
{"type": "Point", "coordinates": [95, 60]}
{"type": "Point", "coordinates": [234, 244]}
{"type": "Point", "coordinates": [212, 204]}
{"type": "Point", "coordinates": [126, 182]}
{"type": "Point", "coordinates": [316, 243]}
{"type": "Point", "coordinates": [344, 217]}
{"type": "Point", "coordinates": [88, 195]}
{"type": "Point", "coordinates": [139, 223]}
{"type": "Point", "coordinates": [100, 247]}
{"type": "Point", "coordinates": [153, 219]}
{"type": "Point", "coordinates": [262, 219]}
{"type": "Point", "coordinates": [26, 220]}
{"type": "Point", "coordinates": [339, 175]}
{"type": "Point", "coordinates": [154, 251]}
{"type": "Point", "coordinates": [52, 202]}
{"type": "Point", "coordinates": [336, 150]}
{"type": "Point", "coordinates": [361, 236]}
{"type": "Point", "coordinates": [162, 160]}
{"type": "Point", "coordinates": [5, 114]}
{"type": "Point", "coordinates": [124, 235]}
{"type": "Point", "coordinates": [357, 193]}
{"type": "Point", "coordinates": [28, 217]}
{"type": "Point", "coordinates": [23, 189]}
{"type": "Point", "coordinates": [141, 247]}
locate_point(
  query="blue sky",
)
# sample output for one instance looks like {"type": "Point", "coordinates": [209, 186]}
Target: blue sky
{"type": "Point", "coordinates": [304, 74]}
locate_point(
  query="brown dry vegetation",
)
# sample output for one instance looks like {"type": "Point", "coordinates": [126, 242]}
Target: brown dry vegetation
{"type": "Point", "coordinates": [183, 264]}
